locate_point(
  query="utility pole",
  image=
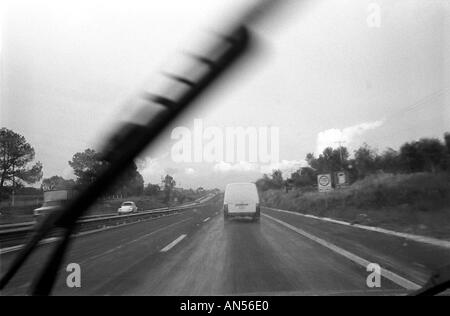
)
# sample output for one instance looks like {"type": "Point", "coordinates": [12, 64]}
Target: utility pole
{"type": "Point", "coordinates": [13, 198]}
{"type": "Point", "coordinates": [337, 175]}
{"type": "Point", "coordinates": [341, 144]}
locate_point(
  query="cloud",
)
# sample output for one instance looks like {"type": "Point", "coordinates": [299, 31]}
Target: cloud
{"type": "Point", "coordinates": [171, 171]}
{"type": "Point", "coordinates": [237, 167]}
{"type": "Point", "coordinates": [189, 171]}
{"type": "Point", "coordinates": [67, 173]}
{"type": "Point", "coordinates": [287, 167]}
{"type": "Point", "coordinates": [331, 137]}
{"type": "Point", "coordinates": [151, 169]}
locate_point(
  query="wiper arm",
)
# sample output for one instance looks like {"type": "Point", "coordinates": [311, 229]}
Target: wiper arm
{"type": "Point", "coordinates": [122, 149]}
{"type": "Point", "coordinates": [438, 283]}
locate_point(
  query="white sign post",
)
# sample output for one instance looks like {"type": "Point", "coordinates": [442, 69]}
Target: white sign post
{"type": "Point", "coordinates": [324, 183]}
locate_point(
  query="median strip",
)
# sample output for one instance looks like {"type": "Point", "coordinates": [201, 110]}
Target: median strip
{"type": "Point", "coordinates": [173, 243]}
{"type": "Point", "coordinates": [407, 284]}
{"type": "Point", "coordinates": [104, 223]}
{"type": "Point", "coordinates": [80, 234]}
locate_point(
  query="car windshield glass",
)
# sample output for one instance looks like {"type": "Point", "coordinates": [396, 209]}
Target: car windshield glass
{"type": "Point", "coordinates": [52, 203]}
{"type": "Point", "coordinates": [329, 133]}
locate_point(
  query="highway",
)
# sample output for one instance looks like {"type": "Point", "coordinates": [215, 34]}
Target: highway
{"type": "Point", "coordinates": [196, 253]}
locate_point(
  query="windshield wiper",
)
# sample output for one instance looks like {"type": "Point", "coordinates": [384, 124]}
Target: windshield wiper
{"type": "Point", "coordinates": [133, 138]}
{"type": "Point", "coordinates": [122, 149]}
{"type": "Point", "coordinates": [438, 283]}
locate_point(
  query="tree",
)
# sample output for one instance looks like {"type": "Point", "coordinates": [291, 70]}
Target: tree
{"type": "Point", "coordinates": [168, 186]}
{"type": "Point", "coordinates": [330, 160]}
{"type": "Point", "coordinates": [410, 158]}
{"type": "Point", "coordinates": [15, 156]}
{"type": "Point", "coordinates": [365, 161]}
{"type": "Point", "coordinates": [447, 141]}
{"type": "Point", "coordinates": [304, 177]}
{"type": "Point", "coordinates": [389, 161]}
{"type": "Point", "coordinates": [310, 159]}
{"type": "Point", "coordinates": [57, 183]}
{"type": "Point", "coordinates": [264, 184]}
{"type": "Point", "coordinates": [130, 183]}
{"type": "Point", "coordinates": [428, 154]}
{"type": "Point", "coordinates": [433, 153]}
{"type": "Point", "coordinates": [88, 165]}
{"type": "Point", "coordinates": [152, 189]}
{"type": "Point", "coordinates": [277, 179]}
{"type": "Point", "coordinates": [447, 145]}
{"type": "Point", "coordinates": [137, 184]}
{"type": "Point", "coordinates": [425, 155]}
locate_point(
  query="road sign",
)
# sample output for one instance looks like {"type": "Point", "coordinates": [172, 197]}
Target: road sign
{"type": "Point", "coordinates": [324, 182]}
{"type": "Point", "coordinates": [341, 178]}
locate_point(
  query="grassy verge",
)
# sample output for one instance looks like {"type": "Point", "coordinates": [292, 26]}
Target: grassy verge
{"type": "Point", "coordinates": [413, 203]}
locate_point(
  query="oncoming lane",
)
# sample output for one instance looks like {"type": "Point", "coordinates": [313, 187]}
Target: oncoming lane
{"type": "Point", "coordinates": [103, 255]}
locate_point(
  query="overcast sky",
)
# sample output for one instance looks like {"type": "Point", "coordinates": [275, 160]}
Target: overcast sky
{"type": "Point", "coordinates": [320, 74]}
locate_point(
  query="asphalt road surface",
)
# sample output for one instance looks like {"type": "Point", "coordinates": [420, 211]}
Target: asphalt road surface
{"type": "Point", "coordinates": [197, 253]}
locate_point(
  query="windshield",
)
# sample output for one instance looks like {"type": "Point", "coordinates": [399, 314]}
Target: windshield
{"type": "Point", "coordinates": [52, 203]}
{"type": "Point", "coordinates": [330, 136]}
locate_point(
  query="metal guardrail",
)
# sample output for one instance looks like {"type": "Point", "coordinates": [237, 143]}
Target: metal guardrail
{"type": "Point", "coordinates": [14, 232]}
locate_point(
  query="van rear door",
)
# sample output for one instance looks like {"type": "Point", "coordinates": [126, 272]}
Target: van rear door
{"type": "Point", "coordinates": [241, 198]}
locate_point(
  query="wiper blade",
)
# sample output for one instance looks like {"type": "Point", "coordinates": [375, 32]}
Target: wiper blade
{"type": "Point", "coordinates": [121, 150]}
{"type": "Point", "coordinates": [438, 283]}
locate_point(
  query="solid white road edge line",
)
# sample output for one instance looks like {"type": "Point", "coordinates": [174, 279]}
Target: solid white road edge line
{"type": "Point", "coordinates": [409, 285]}
{"type": "Point", "coordinates": [417, 238]}
{"type": "Point", "coordinates": [173, 243]}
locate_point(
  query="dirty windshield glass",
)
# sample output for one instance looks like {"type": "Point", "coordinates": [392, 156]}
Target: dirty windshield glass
{"type": "Point", "coordinates": [328, 122]}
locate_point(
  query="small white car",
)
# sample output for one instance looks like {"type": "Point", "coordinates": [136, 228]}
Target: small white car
{"type": "Point", "coordinates": [241, 200]}
{"type": "Point", "coordinates": [127, 208]}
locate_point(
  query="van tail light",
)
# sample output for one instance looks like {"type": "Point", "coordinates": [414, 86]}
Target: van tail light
{"type": "Point", "coordinates": [258, 209]}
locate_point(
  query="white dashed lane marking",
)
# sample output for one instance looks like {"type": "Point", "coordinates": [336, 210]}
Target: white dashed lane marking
{"type": "Point", "coordinates": [173, 243]}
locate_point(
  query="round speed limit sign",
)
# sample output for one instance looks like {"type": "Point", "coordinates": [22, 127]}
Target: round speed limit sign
{"type": "Point", "coordinates": [324, 181]}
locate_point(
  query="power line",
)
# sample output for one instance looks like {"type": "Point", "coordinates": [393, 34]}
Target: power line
{"type": "Point", "coordinates": [420, 103]}
{"type": "Point", "coordinates": [428, 100]}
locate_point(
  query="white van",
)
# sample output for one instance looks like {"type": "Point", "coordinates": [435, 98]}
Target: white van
{"type": "Point", "coordinates": [241, 200]}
